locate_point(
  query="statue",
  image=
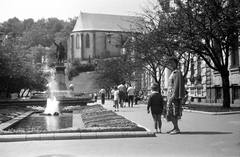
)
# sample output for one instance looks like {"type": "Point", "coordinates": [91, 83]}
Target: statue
{"type": "Point", "coordinates": [59, 52]}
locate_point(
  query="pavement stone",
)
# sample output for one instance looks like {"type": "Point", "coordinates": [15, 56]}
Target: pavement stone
{"type": "Point", "coordinates": [201, 135]}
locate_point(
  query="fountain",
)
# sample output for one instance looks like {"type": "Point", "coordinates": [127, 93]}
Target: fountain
{"type": "Point", "coordinates": [56, 95]}
{"type": "Point", "coordinates": [55, 78]}
{"type": "Point", "coordinates": [56, 89]}
{"type": "Point", "coordinates": [52, 107]}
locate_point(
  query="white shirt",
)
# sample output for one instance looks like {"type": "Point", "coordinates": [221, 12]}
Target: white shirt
{"type": "Point", "coordinates": [130, 91]}
{"type": "Point", "coordinates": [116, 95]}
{"type": "Point", "coordinates": [122, 88]}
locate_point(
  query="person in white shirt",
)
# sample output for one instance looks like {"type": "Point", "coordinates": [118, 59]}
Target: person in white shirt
{"type": "Point", "coordinates": [102, 93]}
{"type": "Point", "coordinates": [130, 91]}
{"type": "Point", "coordinates": [116, 99]}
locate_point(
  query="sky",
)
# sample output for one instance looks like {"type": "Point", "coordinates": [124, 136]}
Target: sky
{"type": "Point", "coordinates": [64, 9]}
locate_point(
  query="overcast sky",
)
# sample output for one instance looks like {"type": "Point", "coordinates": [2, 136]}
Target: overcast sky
{"type": "Point", "coordinates": [64, 9]}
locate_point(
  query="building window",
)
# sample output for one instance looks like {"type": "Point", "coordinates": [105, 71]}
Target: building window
{"type": "Point", "coordinates": [234, 50]}
{"type": "Point", "coordinates": [77, 42]}
{"type": "Point", "coordinates": [199, 68]}
{"type": "Point", "coordinates": [236, 93]}
{"type": "Point", "coordinates": [87, 41]}
{"type": "Point", "coordinates": [234, 59]}
{"type": "Point", "coordinates": [192, 71]}
{"type": "Point", "coordinates": [218, 93]}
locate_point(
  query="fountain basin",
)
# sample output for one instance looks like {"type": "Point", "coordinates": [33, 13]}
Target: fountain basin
{"type": "Point", "coordinates": [64, 101]}
{"type": "Point", "coordinates": [43, 122]}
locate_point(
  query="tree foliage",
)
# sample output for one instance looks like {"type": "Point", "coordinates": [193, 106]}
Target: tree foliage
{"type": "Point", "coordinates": [17, 71]}
{"type": "Point", "coordinates": [155, 43]}
{"type": "Point", "coordinates": [26, 44]}
{"type": "Point", "coordinates": [209, 29]}
{"type": "Point", "coordinates": [115, 71]}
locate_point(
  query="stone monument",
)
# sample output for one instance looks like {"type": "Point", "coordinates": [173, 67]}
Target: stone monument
{"type": "Point", "coordinates": [60, 76]}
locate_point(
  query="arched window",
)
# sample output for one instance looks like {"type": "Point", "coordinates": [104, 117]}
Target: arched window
{"type": "Point", "coordinates": [87, 41]}
{"type": "Point", "coordinates": [77, 42]}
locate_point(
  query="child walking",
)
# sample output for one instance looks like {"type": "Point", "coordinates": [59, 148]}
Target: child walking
{"type": "Point", "coordinates": [116, 99]}
{"type": "Point", "coordinates": [155, 103]}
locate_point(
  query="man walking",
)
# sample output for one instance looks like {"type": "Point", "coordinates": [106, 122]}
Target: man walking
{"type": "Point", "coordinates": [122, 93]}
{"type": "Point", "coordinates": [130, 91]}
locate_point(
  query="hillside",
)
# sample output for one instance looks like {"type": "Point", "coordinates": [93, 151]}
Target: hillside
{"type": "Point", "coordinates": [84, 82]}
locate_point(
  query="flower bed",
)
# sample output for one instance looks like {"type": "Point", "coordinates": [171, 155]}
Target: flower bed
{"type": "Point", "coordinates": [95, 118]}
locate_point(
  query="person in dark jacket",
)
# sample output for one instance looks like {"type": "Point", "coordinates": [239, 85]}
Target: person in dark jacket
{"type": "Point", "coordinates": [155, 103]}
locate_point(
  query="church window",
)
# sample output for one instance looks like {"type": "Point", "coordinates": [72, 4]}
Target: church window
{"type": "Point", "coordinates": [87, 41]}
{"type": "Point", "coordinates": [77, 42]}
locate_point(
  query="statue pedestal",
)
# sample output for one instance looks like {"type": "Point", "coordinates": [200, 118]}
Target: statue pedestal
{"type": "Point", "coordinates": [60, 76]}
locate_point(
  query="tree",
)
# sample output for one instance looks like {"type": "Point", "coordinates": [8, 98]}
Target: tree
{"type": "Point", "coordinates": [13, 26]}
{"type": "Point", "coordinates": [17, 71]}
{"type": "Point", "coordinates": [116, 70]}
{"type": "Point", "coordinates": [210, 30]}
{"type": "Point", "coordinates": [154, 45]}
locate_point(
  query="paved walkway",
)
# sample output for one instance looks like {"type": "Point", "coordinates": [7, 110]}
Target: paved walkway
{"type": "Point", "coordinates": [202, 135]}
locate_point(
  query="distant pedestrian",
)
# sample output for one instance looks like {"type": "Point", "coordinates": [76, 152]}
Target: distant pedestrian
{"type": "Point", "coordinates": [95, 96]}
{"type": "Point", "coordinates": [130, 92]}
{"type": "Point", "coordinates": [122, 94]}
{"type": "Point", "coordinates": [155, 103]}
{"type": "Point", "coordinates": [116, 99]}
{"type": "Point", "coordinates": [71, 87]}
{"type": "Point", "coordinates": [102, 94]}
{"type": "Point", "coordinates": [112, 92]}
{"type": "Point", "coordinates": [138, 96]}
{"type": "Point", "coordinates": [175, 94]}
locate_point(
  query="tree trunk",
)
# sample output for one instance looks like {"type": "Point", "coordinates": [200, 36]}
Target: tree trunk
{"type": "Point", "coordinates": [226, 90]}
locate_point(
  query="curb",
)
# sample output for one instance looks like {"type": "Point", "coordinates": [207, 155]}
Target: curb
{"type": "Point", "coordinates": [212, 113]}
{"type": "Point", "coordinates": [70, 136]}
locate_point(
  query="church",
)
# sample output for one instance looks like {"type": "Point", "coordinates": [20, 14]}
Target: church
{"type": "Point", "coordinates": [97, 36]}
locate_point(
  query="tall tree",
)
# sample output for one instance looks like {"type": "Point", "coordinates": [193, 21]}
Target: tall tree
{"type": "Point", "coordinates": [155, 45]}
{"type": "Point", "coordinates": [209, 29]}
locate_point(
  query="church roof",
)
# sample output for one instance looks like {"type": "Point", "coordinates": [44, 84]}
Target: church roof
{"type": "Point", "coordinates": [104, 22]}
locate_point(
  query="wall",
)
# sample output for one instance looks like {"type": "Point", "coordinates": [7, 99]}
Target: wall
{"type": "Point", "coordinates": [99, 45]}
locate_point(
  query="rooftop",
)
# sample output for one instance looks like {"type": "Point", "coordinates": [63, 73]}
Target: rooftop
{"type": "Point", "coordinates": [104, 22]}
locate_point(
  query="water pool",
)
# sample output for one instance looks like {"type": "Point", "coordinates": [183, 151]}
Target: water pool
{"type": "Point", "coordinates": [43, 122]}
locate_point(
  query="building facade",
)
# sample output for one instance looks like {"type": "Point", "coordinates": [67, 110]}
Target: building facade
{"type": "Point", "coordinates": [98, 36]}
{"type": "Point", "coordinates": [204, 85]}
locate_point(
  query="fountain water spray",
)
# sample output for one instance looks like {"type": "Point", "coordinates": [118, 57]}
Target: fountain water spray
{"type": "Point", "coordinates": [52, 106]}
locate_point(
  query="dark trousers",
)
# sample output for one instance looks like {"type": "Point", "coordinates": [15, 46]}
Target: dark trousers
{"type": "Point", "coordinates": [130, 100]}
{"type": "Point", "coordinates": [103, 98]}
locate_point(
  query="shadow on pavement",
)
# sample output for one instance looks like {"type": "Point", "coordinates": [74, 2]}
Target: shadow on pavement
{"type": "Point", "coordinates": [203, 133]}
